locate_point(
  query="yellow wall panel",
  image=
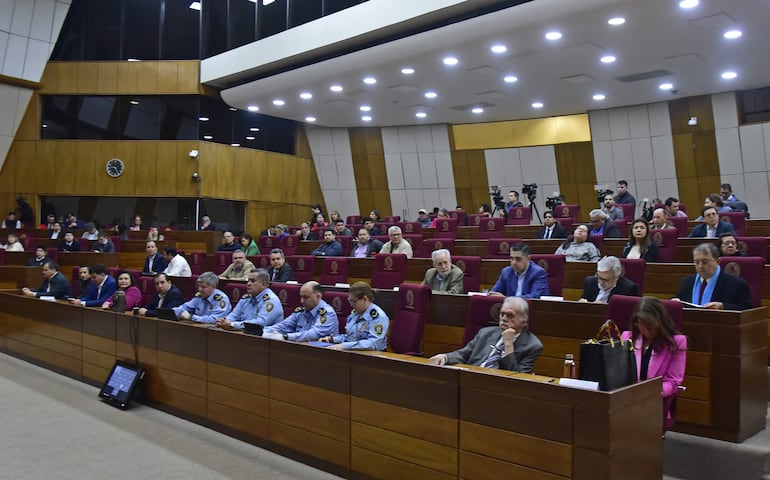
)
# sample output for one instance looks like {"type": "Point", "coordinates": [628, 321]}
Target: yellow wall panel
{"type": "Point", "coordinates": [522, 133]}
{"type": "Point", "coordinates": [108, 77]}
{"type": "Point", "coordinates": [87, 77]}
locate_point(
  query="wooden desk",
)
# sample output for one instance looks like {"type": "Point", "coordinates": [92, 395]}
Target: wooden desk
{"type": "Point", "coordinates": [357, 415]}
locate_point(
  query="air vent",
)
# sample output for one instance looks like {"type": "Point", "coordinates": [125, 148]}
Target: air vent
{"type": "Point", "coordinates": [492, 95]}
{"type": "Point", "coordinates": [485, 71]}
{"type": "Point", "coordinates": [467, 108]}
{"type": "Point", "coordinates": [404, 88]}
{"type": "Point", "coordinates": [643, 76]}
{"type": "Point", "coordinates": [578, 79]}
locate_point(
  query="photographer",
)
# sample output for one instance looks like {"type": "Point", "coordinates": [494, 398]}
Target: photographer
{"type": "Point", "coordinates": [513, 201]}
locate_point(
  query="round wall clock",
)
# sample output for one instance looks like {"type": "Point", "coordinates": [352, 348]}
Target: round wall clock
{"type": "Point", "coordinates": [115, 167]}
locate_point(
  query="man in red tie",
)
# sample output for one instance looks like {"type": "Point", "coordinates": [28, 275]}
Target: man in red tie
{"type": "Point", "coordinates": [710, 287]}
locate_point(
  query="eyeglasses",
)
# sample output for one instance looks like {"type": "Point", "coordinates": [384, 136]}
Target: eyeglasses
{"type": "Point", "coordinates": [353, 301]}
{"type": "Point", "coordinates": [602, 279]}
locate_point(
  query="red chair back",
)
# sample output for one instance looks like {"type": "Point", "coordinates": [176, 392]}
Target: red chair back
{"type": "Point", "coordinates": [621, 307]}
{"type": "Point", "coordinates": [567, 210]}
{"type": "Point", "coordinates": [234, 290]}
{"type": "Point", "coordinates": [666, 240]}
{"type": "Point", "coordinates": [629, 211]}
{"type": "Point", "coordinates": [222, 260]}
{"type": "Point", "coordinates": [85, 246]}
{"type": "Point", "coordinates": [751, 269]}
{"type": "Point", "coordinates": [289, 244]}
{"type": "Point", "coordinates": [446, 227]}
{"type": "Point", "coordinates": [354, 220]}
{"type": "Point", "coordinates": [751, 246]}
{"type": "Point", "coordinates": [519, 216]}
{"type": "Point", "coordinates": [388, 270]}
{"type": "Point", "coordinates": [429, 245]}
{"type": "Point", "coordinates": [339, 302]}
{"type": "Point", "coordinates": [500, 247]}
{"type": "Point", "coordinates": [268, 243]}
{"type": "Point", "coordinates": [416, 242]}
{"type": "Point", "coordinates": [622, 226]}
{"type": "Point", "coordinates": [483, 311]}
{"type": "Point", "coordinates": [737, 219]}
{"type": "Point", "coordinates": [335, 270]}
{"type": "Point", "coordinates": [115, 241]}
{"type": "Point", "coordinates": [408, 323]}
{"type": "Point", "coordinates": [260, 261]}
{"type": "Point", "coordinates": [51, 252]}
{"type": "Point", "coordinates": [680, 223]}
{"type": "Point", "coordinates": [197, 261]}
{"type": "Point", "coordinates": [475, 219]}
{"type": "Point", "coordinates": [633, 269]}
{"type": "Point", "coordinates": [597, 240]}
{"type": "Point", "coordinates": [392, 219]}
{"type": "Point", "coordinates": [460, 215]}
{"type": "Point", "coordinates": [471, 267]}
{"type": "Point", "coordinates": [554, 267]}
{"type": "Point", "coordinates": [303, 266]}
{"type": "Point", "coordinates": [491, 228]}
{"type": "Point", "coordinates": [288, 293]}
{"type": "Point", "coordinates": [408, 228]}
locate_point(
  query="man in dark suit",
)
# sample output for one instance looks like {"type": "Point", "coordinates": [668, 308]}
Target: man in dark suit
{"type": "Point", "coordinates": [607, 282]}
{"type": "Point", "coordinates": [279, 270]}
{"type": "Point", "coordinates": [366, 245]}
{"type": "Point", "coordinates": [69, 244]}
{"type": "Point", "coordinates": [155, 263]}
{"type": "Point", "coordinates": [602, 225]}
{"type": "Point", "coordinates": [711, 227]}
{"type": "Point", "coordinates": [551, 227]}
{"type": "Point", "coordinates": [54, 285]}
{"type": "Point", "coordinates": [166, 296]}
{"type": "Point", "coordinates": [710, 287]}
{"type": "Point", "coordinates": [102, 287]}
{"type": "Point", "coordinates": [509, 346]}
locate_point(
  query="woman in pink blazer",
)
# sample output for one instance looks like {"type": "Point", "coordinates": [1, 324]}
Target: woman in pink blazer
{"type": "Point", "coordinates": [661, 351]}
{"type": "Point", "coordinates": [126, 285]}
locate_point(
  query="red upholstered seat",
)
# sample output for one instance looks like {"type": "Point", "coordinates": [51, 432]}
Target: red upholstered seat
{"type": "Point", "coordinates": [554, 268]}
{"type": "Point", "coordinates": [622, 226]}
{"type": "Point", "coordinates": [429, 245]}
{"type": "Point", "coordinates": [354, 220]}
{"type": "Point", "coordinates": [680, 223]}
{"type": "Point", "coordinates": [146, 285]}
{"type": "Point", "coordinates": [388, 270]}
{"type": "Point", "coordinates": [260, 261]}
{"type": "Point", "coordinates": [234, 290]}
{"type": "Point", "coordinates": [392, 219]}
{"type": "Point", "coordinates": [289, 244]}
{"type": "Point", "coordinates": [519, 216]}
{"type": "Point", "coordinates": [500, 247]}
{"type": "Point", "coordinates": [416, 242]}
{"type": "Point", "coordinates": [288, 293]}
{"type": "Point", "coordinates": [620, 308]}
{"type": "Point", "coordinates": [446, 227]}
{"type": "Point", "coordinates": [751, 246]}
{"type": "Point", "coordinates": [339, 302]}
{"type": "Point", "coordinates": [74, 280]}
{"type": "Point", "coordinates": [51, 252]}
{"type": "Point", "coordinates": [85, 245]}
{"type": "Point", "coordinates": [597, 240]}
{"type": "Point", "coordinates": [471, 267]}
{"type": "Point", "coordinates": [268, 243]}
{"type": "Point", "coordinates": [566, 223]}
{"type": "Point", "coordinates": [666, 240]}
{"type": "Point", "coordinates": [483, 311]}
{"type": "Point", "coordinates": [475, 219]}
{"type": "Point", "coordinates": [737, 219]}
{"type": "Point", "coordinates": [460, 215]}
{"type": "Point", "coordinates": [115, 241]}
{"type": "Point", "coordinates": [491, 228]}
{"type": "Point", "coordinates": [222, 260]}
{"type": "Point", "coordinates": [567, 210]}
{"type": "Point", "coordinates": [682, 206]}
{"type": "Point", "coordinates": [751, 269]}
{"type": "Point", "coordinates": [629, 211]}
{"type": "Point", "coordinates": [197, 261]}
{"type": "Point", "coordinates": [303, 266]}
{"type": "Point", "coordinates": [408, 322]}
{"type": "Point", "coordinates": [335, 270]}
{"type": "Point", "coordinates": [409, 228]}
{"type": "Point", "coordinates": [633, 269]}
{"type": "Point", "coordinates": [113, 272]}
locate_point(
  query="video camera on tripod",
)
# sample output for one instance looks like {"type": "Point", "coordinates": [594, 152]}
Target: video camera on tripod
{"type": "Point", "coordinates": [497, 199]}
{"type": "Point", "coordinates": [530, 190]}
{"type": "Point", "coordinates": [601, 193]}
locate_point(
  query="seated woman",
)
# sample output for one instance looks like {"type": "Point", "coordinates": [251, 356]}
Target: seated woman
{"type": "Point", "coordinates": [484, 209]}
{"type": "Point", "coordinates": [442, 215]}
{"type": "Point", "coordinates": [137, 224]}
{"type": "Point", "coordinates": [661, 351]}
{"type": "Point", "coordinates": [319, 225]}
{"type": "Point", "coordinates": [640, 245]}
{"type": "Point", "coordinates": [577, 248]}
{"type": "Point", "coordinates": [132, 293]}
{"type": "Point", "coordinates": [248, 245]}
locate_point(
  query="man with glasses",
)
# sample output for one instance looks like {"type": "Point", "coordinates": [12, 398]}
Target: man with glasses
{"type": "Point", "coordinates": [711, 227]}
{"type": "Point", "coordinates": [311, 321]}
{"type": "Point", "coordinates": [507, 346]}
{"type": "Point", "coordinates": [728, 246]}
{"type": "Point", "coordinates": [523, 278]}
{"type": "Point", "coordinates": [602, 225]}
{"type": "Point", "coordinates": [397, 244]}
{"type": "Point", "coordinates": [607, 282]}
{"type": "Point", "coordinates": [259, 306]}
{"type": "Point", "coordinates": [710, 287]}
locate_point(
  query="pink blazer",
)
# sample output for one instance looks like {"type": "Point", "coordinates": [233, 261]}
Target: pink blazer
{"type": "Point", "coordinates": [133, 298]}
{"type": "Point", "coordinates": [667, 364]}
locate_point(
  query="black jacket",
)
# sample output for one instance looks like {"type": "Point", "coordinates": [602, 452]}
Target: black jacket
{"type": "Point", "coordinates": [732, 291]}
{"type": "Point", "coordinates": [623, 287]}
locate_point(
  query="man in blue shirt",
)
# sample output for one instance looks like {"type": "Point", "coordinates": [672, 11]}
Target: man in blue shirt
{"type": "Point", "coordinates": [102, 287]}
{"type": "Point", "coordinates": [259, 306]}
{"type": "Point", "coordinates": [208, 304]}
{"type": "Point", "coordinates": [330, 247]}
{"type": "Point", "coordinates": [524, 278]}
{"type": "Point", "coordinates": [310, 321]}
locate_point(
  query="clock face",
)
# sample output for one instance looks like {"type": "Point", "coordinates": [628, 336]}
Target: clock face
{"type": "Point", "coordinates": [115, 167]}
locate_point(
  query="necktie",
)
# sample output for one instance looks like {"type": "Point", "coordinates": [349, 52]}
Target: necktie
{"type": "Point", "coordinates": [494, 356]}
{"type": "Point", "coordinates": [702, 289]}
{"type": "Point", "coordinates": [160, 301]}
{"type": "Point", "coordinates": [548, 233]}
{"type": "Point", "coordinates": [273, 279]}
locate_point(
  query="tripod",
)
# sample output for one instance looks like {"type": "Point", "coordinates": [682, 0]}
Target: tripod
{"type": "Point", "coordinates": [533, 210]}
{"type": "Point", "coordinates": [498, 211]}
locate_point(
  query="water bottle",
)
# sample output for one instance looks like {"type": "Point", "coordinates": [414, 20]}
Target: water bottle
{"type": "Point", "coordinates": [569, 366]}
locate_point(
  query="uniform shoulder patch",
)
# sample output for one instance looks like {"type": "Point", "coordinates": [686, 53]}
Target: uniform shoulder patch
{"type": "Point", "coordinates": [321, 311]}
{"type": "Point", "coordinates": [269, 307]}
{"type": "Point", "coordinates": [373, 313]}
{"type": "Point", "coordinates": [222, 304]}
{"type": "Point", "coordinates": [265, 297]}
{"type": "Point", "coordinates": [246, 296]}
{"type": "Point", "coordinates": [299, 309]}
{"type": "Point", "coordinates": [378, 329]}
{"type": "Point", "coordinates": [197, 294]}
{"type": "Point", "coordinates": [218, 296]}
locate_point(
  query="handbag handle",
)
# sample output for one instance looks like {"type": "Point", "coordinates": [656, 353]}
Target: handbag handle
{"type": "Point", "coordinates": [606, 331]}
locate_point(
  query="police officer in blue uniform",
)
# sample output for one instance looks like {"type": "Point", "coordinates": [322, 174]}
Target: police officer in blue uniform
{"type": "Point", "coordinates": [259, 306]}
{"type": "Point", "coordinates": [309, 322]}
{"type": "Point", "coordinates": [367, 325]}
{"type": "Point", "coordinates": [208, 304]}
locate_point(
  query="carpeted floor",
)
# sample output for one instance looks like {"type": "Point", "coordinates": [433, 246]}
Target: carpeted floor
{"type": "Point", "coordinates": [54, 427]}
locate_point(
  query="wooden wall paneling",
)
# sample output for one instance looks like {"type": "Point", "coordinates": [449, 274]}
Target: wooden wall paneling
{"type": "Point", "coordinates": [29, 127]}
{"type": "Point", "coordinates": [168, 77]}
{"type": "Point", "coordinates": [46, 163]}
{"type": "Point", "coordinates": [148, 74]}
{"type": "Point", "coordinates": [88, 78]}
{"type": "Point", "coordinates": [147, 166]}
{"type": "Point", "coordinates": [50, 78]}
{"type": "Point", "coordinates": [129, 79]}
{"type": "Point", "coordinates": [67, 79]}
{"type": "Point", "coordinates": [681, 110]}
{"type": "Point", "coordinates": [369, 170]}
{"type": "Point", "coordinates": [576, 170]}
{"type": "Point", "coordinates": [243, 165]}
{"type": "Point", "coordinates": [301, 143]}
{"type": "Point", "coordinates": [188, 76]}
{"type": "Point", "coordinates": [25, 172]}
{"type": "Point", "coordinates": [470, 174]}
{"type": "Point", "coordinates": [65, 167]}
{"type": "Point", "coordinates": [107, 77]}
{"type": "Point", "coordinates": [8, 172]}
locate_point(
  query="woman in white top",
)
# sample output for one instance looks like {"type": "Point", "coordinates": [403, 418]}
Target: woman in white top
{"type": "Point", "coordinates": [640, 245]}
{"type": "Point", "coordinates": [13, 245]}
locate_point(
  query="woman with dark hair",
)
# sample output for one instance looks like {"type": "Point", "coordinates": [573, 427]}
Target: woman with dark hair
{"type": "Point", "coordinates": [317, 209]}
{"type": "Point", "coordinates": [375, 214]}
{"type": "Point", "coordinates": [639, 243]}
{"type": "Point", "coordinates": [577, 248]}
{"type": "Point", "coordinates": [484, 208]}
{"type": "Point", "coordinates": [367, 324]}
{"type": "Point", "coordinates": [661, 351]}
{"type": "Point", "coordinates": [248, 245]}
{"type": "Point", "coordinates": [131, 292]}
{"type": "Point", "coordinates": [319, 225]}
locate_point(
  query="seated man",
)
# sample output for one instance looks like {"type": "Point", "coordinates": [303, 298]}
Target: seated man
{"type": "Point", "coordinates": [330, 246]}
{"type": "Point", "coordinates": [607, 282]}
{"type": "Point", "coordinates": [228, 243]}
{"type": "Point", "coordinates": [11, 222]}
{"type": "Point", "coordinates": [444, 277]}
{"type": "Point", "coordinates": [711, 227]}
{"type": "Point", "coordinates": [672, 208]}
{"type": "Point", "coordinates": [523, 278]}
{"type": "Point", "coordinates": [366, 246]}
{"type": "Point", "coordinates": [69, 244]}
{"type": "Point", "coordinates": [85, 281]}
{"type": "Point", "coordinates": [728, 246]}
{"type": "Point", "coordinates": [305, 233]}
{"type": "Point", "coordinates": [104, 244]}
{"type": "Point", "coordinates": [310, 322]}
{"type": "Point", "coordinates": [367, 324]}
{"type": "Point", "coordinates": [41, 256]}
{"type": "Point", "coordinates": [513, 201]}
{"type": "Point", "coordinates": [551, 227]}
{"type": "Point", "coordinates": [397, 244]}
{"type": "Point", "coordinates": [423, 218]}
{"type": "Point", "coordinates": [102, 287]}
{"type": "Point", "coordinates": [91, 232]}
{"type": "Point", "coordinates": [368, 224]}
{"type": "Point", "coordinates": [55, 231]}
{"type": "Point", "coordinates": [167, 295]}
{"type": "Point", "coordinates": [341, 229]}
{"type": "Point", "coordinates": [710, 287]}
{"type": "Point", "coordinates": [259, 306]}
{"type": "Point", "coordinates": [509, 346]}
{"type": "Point", "coordinates": [239, 269]}
{"type": "Point", "coordinates": [206, 224]}
{"type": "Point", "coordinates": [614, 212]}
{"type": "Point", "coordinates": [726, 192]}
{"type": "Point", "coordinates": [155, 263]}
{"type": "Point", "coordinates": [279, 270]}
{"type": "Point", "coordinates": [177, 264]}
{"type": "Point", "coordinates": [54, 283]}
{"type": "Point", "coordinates": [74, 222]}
{"type": "Point", "coordinates": [659, 220]}
{"type": "Point", "coordinates": [13, 245]}
{"type": "Point", "coordinates": [50, 219]}
{"type": "Point", "coordinates": [624, 196]}
{"type": "Point", "coordinates": [602, 225]}
{"type": "Point", "coordinates": [208, 304]}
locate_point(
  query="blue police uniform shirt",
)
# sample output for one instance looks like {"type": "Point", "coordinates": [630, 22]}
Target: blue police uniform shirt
{"type": "Point", "coordinates": [368, 331]}
{"type": "Point", "coordinates": [263, 309]}
{"type": "Point", "coordinates": [206, 309]}
{"type": "Point", "coordinates": [307, 326]}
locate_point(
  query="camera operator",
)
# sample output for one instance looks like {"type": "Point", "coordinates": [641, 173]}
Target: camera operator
{"type": "Point", "coordinates": [513, 201]}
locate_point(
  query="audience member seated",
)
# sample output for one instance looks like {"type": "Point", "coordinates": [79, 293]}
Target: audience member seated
{"type": "Point", "coordinates": [334, 216]}
{"type": "Point", "coordinates": [397, 244]}
{"type": "Point", "coordinates": [424, 218]}
{"type": "Point", "coordinates": [311, 321]}
{"type": "Point", "coordinates": [672, 208]}
{"type": "Point", "coordinates": [104, 244]}
{"type": "Point", "coordinates": [726, 192]}
{"type": "Point", "coordinates": [305, 233]}
{"type": "Point", "coordinates": [661, 351]}
{"type": "Point", "coordinates": [154, 263]}
{"type": "Point", "coordinates": [167, 295]}
{"type": "Point", "coordinates": [11, 222]}
{"type": "Point", "coordinates": [612, 211]}
{"type": "Point", "coordinates": [624, 196]}
{"type": "Point", "coordinates": [442, 213]}
{"type": "Point", "coordinates": [239, 269]}
{"type": "Point", "coordinates": [367, 324]}
{"type": "Point", "coordinates": [659, 220]}
{"type": "Point", "coordinates": [137, 225]}
{"type": "Point", "coordinates": [279, 270]}
{"type": "Point", "coordinates": [73, 222]}
{"type": "Point", "coordinates": [728, 246]}
{"type": "Point", "coordinates": [710, 287]}
{"type": "Point", "coordinates": [228, 243]}
{"type": "Point", "coordinates": [330, 247]}
{"type": "Point", "coordinates": [101, 288]}
{"type": "Point", "coordinates": [153, 235]}
{"type": "Point", "coordinates": [208, 305]}
{"type": "Point", "coordinates": [248, 245]}
{"type": "Point", "coordinates": [317, 210]}
{"type": "Point", "coordinates": [177, 264]}
{"type": "Point", "coordinates": [84, 281]}
{"type": "Point", "coordinates": [577, 249]}
{"type": "Point", "coordinates": [551, 227]}
{"type": "Point", "coordinates": [49, 221]}
{"type": "Point", "coordinates": [365, 246]}
{"type": "Point", "coordinates": [640, 245]}
{"type": "Point", "coordinates": [607, 282]}
{"type": "Point", "coordinates": [91, 232]}
{"type": "Point", "coordinates": [41, 256]}
{"type": "Point", "coordinates": [368, 224]}
{"type": "Point", "coordinates": [260, 305]}
{"type": "Point", "coordinates": [714, 200]}
{"type": "Point", "coordinates": [340, 229]}
{"type": "Point", "coordinates": [508, 346]}
{"type": "Point", "coordinates": [13, 245]}
{"type": "Point", "coordinates": [319, 225]}
{"type": "Point", "coordinates": [54, 283]}
{"type": "Point", "coordinates": [601, 225]}
{"type": "Point", "coordinates": [524, 278]}
{"type": "Point", "coordinates": [206, 224]}
{"type": "Point", "coordinates": [711, 227]}
{"type": "Point", "coordinates": [444, 277]}
{"type": "Point", "coordinates": [55, 231]}
{"type": "Point", "coordinates": [513, 201]}
{"type": "Point", "coordinates": [133, 297]}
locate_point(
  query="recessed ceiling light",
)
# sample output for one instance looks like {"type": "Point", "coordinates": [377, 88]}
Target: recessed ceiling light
{"type": "Point", "coordinates": [336, 88]}
{"type": "Point", "coordinates": [537, 105]}
{"type": "Point", "coordinates": [252, 108]}
{"type": "Point", "coordinates": [233, 109]}
{"type": "Point", "coordinates": [250, 138]}
{"type": "Point", "coordinates": [477, 110]}
{"type": "Point", "coordinates": [689, 3]}
{"type": "Point", "coordinates": [510, 79]}
{"type": "Point", "coordinates": [431, 94]}
{"type": "Point", "coordinates": [44, 125]}
{"type": "Point", "coordinates": [615, 21]}
{"type": "Point", "coordinates": [499, 49]}
{"type": "Point", "coordinates": [310, 119]}
{"type": "Point", "coordinates": [305, 95]}
{"type": "Point", "coordinates": [203, 119]}
{"type": "Point", "coordinates": [451, 61]}
{"type": "Point", "coordinates": [729, 75]}
{"type": "Point", "coordinates": [553, 35]}
{"type": "Point", "coordinates": [133, 60]}
{"type": "Point", "coordinates": [134, 102]}
{"type": "Point", "coordinates": [420, 114]}
{"type": "Point", "coordinates": [195, 6]}
{"type": "Point", "coordinates": [407, 70]}
{"type": "Point", "coordinates": [235, 144]}
{"type": "Point", "coordinates": [207, 137]}
{"type": "Point", "coordinates": [599, 96]}
{"type": "Point", "coordinates": [608, 59]}
{"type": "Point", "coordinates": [278, 102]}
{"type": "Point", "coordinates": [732, 34]}
{"type": "Point", "coordinates": [370, 80]}
{"type": "Point", "coordinates": [666, 86]}
{"type": "Point", "coordinates": [254, 129]}
{"type": "Point", "coordinates": [365, 108]}
{"type": "Point", "coordinates": [366, 118]}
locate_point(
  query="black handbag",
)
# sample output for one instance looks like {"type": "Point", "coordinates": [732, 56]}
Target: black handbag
{"type": "Point", "coordinates": [607, 359]}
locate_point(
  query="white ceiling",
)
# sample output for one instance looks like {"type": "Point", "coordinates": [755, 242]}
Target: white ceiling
{"type": "Point", "coordinates": [657, 35]}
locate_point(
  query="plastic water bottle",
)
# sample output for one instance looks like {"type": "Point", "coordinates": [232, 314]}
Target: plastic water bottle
{"type": "Point", "coordinates": [569, 366]}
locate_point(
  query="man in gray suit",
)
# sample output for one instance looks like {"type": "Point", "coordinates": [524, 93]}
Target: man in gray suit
{"type": "Point", "coordinates": [508, 346]}
{"type": "Point", "coordinates": [444, 277]}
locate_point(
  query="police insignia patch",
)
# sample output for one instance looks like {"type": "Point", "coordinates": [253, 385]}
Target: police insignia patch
{"type": "Point", "coordinates": [321, 311]}
{"type": "Point", "coordinates": [221, 304]}
{"type": "Point", "coordinates": [378, 329]}
{"type": "Point", "coordinates": [269, 306]}
{"type": "Point", "coordinates": [265, 297]}
{"type": "Point", "coordinates": [322, 319]}
{"type": "Point", "coordinates": [298, 309]}
{"type": "Point", "coordinates": [373, 313]}
{"type": "Point", "coordinates": [217, 297]}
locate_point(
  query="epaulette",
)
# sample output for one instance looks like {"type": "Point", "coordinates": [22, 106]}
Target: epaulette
{"type": "Point", "coordinates": [373, 313]}
{"type": "Point", "coordinates": [218, 296]}
{"type": "Point", "coordinates": [247, 295]}
{"type": "Point", "coordinates": [299, 309]}
{"type": "Point", "coordinates": [265, 297]}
